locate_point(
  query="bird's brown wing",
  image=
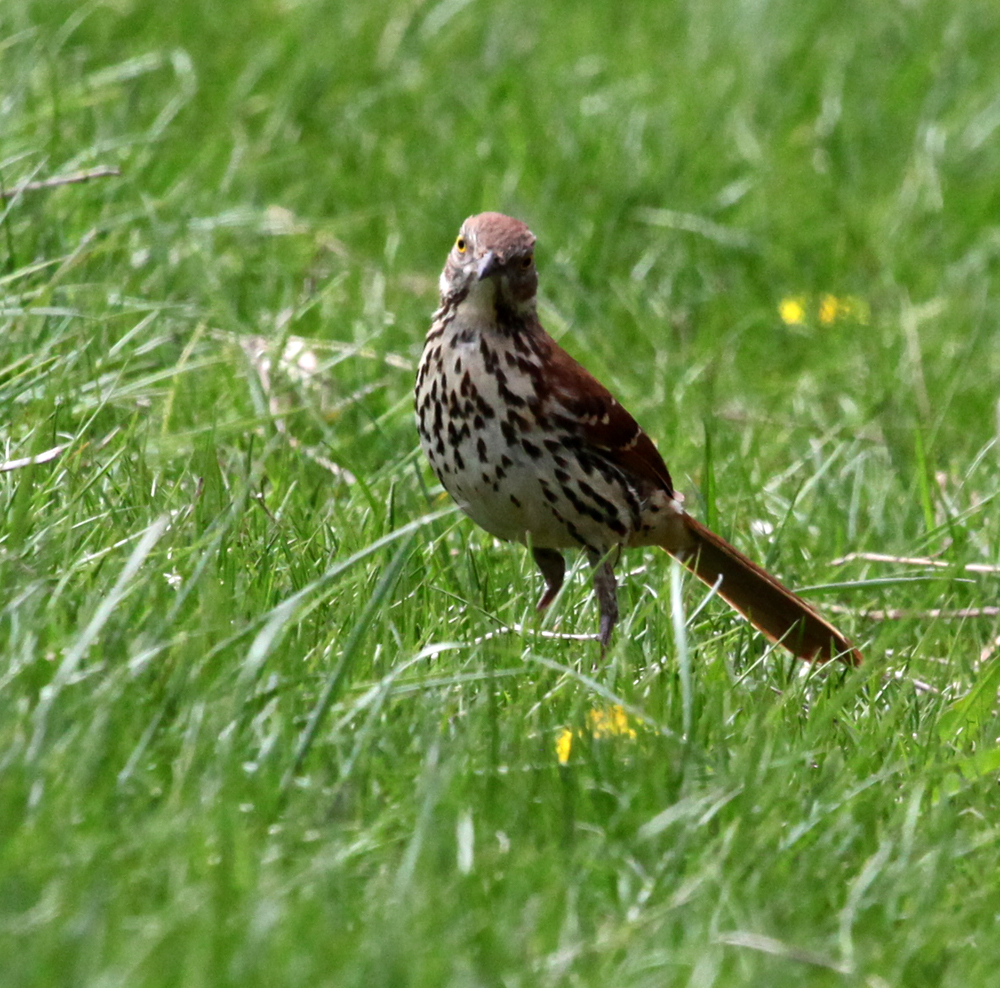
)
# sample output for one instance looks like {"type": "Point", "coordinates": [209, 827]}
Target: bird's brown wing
{"type": "Point", "coordinates": [581, 405]}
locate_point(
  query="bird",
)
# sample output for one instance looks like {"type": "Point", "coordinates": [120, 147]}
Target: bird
{"type": "Point", "coordinates": [535, 450]}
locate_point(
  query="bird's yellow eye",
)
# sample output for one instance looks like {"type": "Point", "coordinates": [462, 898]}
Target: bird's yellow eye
{"type": "Point", "coordinates": [461, 245]}
{"type": "Point", "coordinates": [526, 261]}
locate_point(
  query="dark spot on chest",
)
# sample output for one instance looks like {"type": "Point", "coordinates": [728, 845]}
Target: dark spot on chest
{"type": "Point", "coordinates": [518, 421]}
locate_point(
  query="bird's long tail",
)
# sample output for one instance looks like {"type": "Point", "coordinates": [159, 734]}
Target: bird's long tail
{"type": "Point", "coordinates": [769, 605]}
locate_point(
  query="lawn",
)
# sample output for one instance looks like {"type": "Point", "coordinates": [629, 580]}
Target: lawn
{"type": "Point", "coordinates": [273, 713]}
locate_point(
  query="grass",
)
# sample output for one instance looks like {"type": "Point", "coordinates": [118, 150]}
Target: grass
{"type": "Point", "coordinates": [260, 722]}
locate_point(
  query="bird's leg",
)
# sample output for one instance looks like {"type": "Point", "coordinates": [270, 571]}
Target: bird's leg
{"type": "Point", "coordinates": [607, 594]}
{"type": "Point", "coordinates": [553, 568]}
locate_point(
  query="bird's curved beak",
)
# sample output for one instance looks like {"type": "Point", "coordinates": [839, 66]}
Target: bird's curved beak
{"type": "Point", "coordinates": [489, 263]}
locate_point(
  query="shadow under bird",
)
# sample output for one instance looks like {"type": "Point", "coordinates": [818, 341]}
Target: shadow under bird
{"type": "Point", "coordinates": [537, 451]}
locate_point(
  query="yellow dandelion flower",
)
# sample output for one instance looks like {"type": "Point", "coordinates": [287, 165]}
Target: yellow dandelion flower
{"type": "Point", "coordinates": [602, 722]}
{"type": "Point", "coordinates": [564, 745]}
{"type": "Point", "coordinates": [609, 722]}
{"type": "Point", "coordinates": [829, 308]}
{"type": "Point", "coordinates": [792, 311]}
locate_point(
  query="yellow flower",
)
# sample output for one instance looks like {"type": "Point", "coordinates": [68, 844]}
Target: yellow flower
{"type": "Point", "coordinates": [564, 745]}
{"type": "Point", "coordinates": [603, 722]}
{"type": "Point", "coordinates": [610, 721]}
{"type": "Point", "coordinates": [793, 311]}
{"type": "Point", "coordinates": [829, 306]}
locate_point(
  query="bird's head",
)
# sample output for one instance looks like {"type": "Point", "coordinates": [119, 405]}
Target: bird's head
{"type": "Point", "coordinates": [492, 264]}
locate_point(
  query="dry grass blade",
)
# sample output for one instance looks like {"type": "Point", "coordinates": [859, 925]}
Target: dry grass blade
{"type": "Point", "coordinates": [769, 945]}
{"type": "Point", "coordinates": [74, 178]}
{"type": "Point", "coordinates": [879, 557]}
{"type": "Point", "coordinates": [27, 461]}
{"type": "Point", "coordinates": [901, 613]}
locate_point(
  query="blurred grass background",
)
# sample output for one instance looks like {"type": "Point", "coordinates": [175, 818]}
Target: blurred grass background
{"type": "Point", "coordinates": [260, 722]}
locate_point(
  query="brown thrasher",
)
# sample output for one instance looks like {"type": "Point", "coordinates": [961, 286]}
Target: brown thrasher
{"type": "Point", "coordinates": [535, 450]}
